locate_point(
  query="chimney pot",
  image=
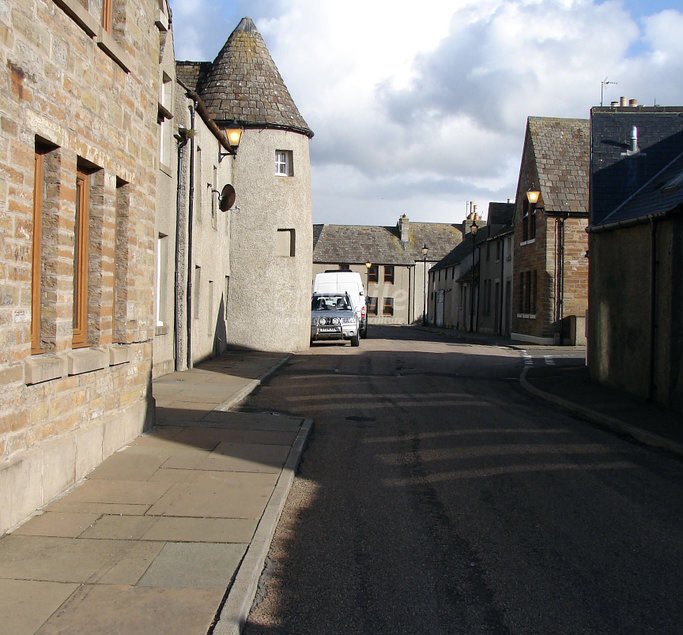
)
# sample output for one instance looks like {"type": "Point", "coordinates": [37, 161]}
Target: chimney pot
{"type": "Point", "coordinates": [633, 103]}
{"type": "Point", "coordinates": [623, 101]}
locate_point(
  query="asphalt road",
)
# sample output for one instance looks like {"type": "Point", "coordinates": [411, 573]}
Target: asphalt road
{"type": "Point", "coordinates": [436, 497]}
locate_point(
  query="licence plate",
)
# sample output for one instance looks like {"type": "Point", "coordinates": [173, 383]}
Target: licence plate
{"type": "Point", "coordinates": [329, 329]}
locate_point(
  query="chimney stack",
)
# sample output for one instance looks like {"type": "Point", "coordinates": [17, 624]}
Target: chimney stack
{"type": "Point", "coordinates": [403, 226]}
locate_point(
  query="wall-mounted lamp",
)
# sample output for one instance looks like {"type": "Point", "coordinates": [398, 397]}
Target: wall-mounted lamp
{"type": "Point", "coordinates": [368, 264]}
{"type": "Point", "coordinates": [234, 135]}
{"type": "Point", "coordinates": [533, 196]}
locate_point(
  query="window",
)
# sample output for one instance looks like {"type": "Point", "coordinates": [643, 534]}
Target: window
{"type": "Point", "coordinates": [80, 260]}
{"type": "Point", "coordinates": [43, 248]}
{"type": "Point", "coordinates": [284, 163]}
{"type": "Point", "coordinates": [197, 184]}
{"type": "Point", "coordinates": [210, 321]}
{"type": "Point", "coordinates": [285, 243]}
{"type": "Point", "coordinates": [197, 289]}
{"type": "Point", "coordinates": [121, 251]}
{"type": "Point", "coordinates": [373, 274]}
{"type": "Point", "coordinates": [161, 279]}
{"type": "Point", "coordinates": [528, 220]}
{"type": "Point", "coordinates": [344, 267]}
{"type": "Point", "coordinates": [488, 251]}
{"type": "Point", "coordinates": [107, 17]}
{"type": "Point", "coordinates": [527, 288]}
{"type": "Point", "coordinates": [498, 244]}
{"type": "Point", "coordinates": [166, 128]}
{"type": "Point", "coordinates": [389, 274]}
{"type": "Point", "coordinates": [388, 306]}
{"type": "Point", "coordinates": [372, 305]}
{"type": "Point", "coordinates": [214, 198]}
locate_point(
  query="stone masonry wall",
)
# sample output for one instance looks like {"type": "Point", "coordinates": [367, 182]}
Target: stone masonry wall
{"type": "Point", "coordinates": [88, 100]}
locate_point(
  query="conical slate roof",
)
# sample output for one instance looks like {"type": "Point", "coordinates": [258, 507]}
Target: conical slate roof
{"type": "Point", "coordinates": [244, 85]}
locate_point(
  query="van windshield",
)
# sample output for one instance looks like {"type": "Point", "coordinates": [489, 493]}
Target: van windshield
{"type": "Point", "coordinates": [330, 303]}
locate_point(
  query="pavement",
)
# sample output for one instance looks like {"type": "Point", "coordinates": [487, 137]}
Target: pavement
{"type": "Point", "coordinates": [170, 534]}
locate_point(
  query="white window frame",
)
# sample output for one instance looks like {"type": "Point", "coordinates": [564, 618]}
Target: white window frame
{"type": "Point", "coordinates": [283, 163]}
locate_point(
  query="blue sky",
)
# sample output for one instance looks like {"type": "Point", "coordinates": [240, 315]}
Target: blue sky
{"type": "Point", "coordinates": [420, 112]}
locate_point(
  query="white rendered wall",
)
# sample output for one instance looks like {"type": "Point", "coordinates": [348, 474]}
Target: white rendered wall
{"type": "Point", "coordinates": [269, 303]}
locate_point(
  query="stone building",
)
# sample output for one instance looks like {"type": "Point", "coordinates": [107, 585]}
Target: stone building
{"type": "Point", "coordinates": [390, 260]}
{"type": "Point", "coordinates": [78, 182]}
{"type": "Point", "coordinates": [550, 291]}
{"type": "Point", "coordinates": [635, 323]}
{"type": "Point", "coordinates": [494, 271]}
{"type": "Point", "coordinates": [271, 243]}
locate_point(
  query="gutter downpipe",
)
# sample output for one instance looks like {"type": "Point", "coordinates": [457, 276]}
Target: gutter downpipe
{"type": "Point", "coordinates": [182, 142]}
{"type": "Point", "coordinates": [190, 220]}
{"type": "Point", "coordinates": [501, 291]}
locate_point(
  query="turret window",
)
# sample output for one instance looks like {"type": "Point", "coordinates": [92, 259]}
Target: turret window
{"type": "Point", "coordinates": [284, 165]}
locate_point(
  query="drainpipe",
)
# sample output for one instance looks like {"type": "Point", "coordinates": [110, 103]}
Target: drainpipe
{"type": "Point", "coordinates": [502, 286]}
{"type": "Point", "coordinates": [182, 139]}
{"type": "Point", "coordinates": [560, 271]}
{"type": "Point", "coordinates": [190, 221]}
{"type": "Point", "coordinates": [653, 308]}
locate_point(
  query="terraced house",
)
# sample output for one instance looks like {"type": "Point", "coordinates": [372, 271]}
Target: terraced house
{"type": "Point", "coordinates": [124, 253]}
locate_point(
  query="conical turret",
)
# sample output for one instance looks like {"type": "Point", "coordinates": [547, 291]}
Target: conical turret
{"type": "Point", "coordinates": [245, 86]}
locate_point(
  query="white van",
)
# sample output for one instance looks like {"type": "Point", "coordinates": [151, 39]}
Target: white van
{"type": "Point", "coordinates": [350, 282]}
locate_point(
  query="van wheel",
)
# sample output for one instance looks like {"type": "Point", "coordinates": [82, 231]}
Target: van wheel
{"type": "Point", "coordinates": [355, 340]}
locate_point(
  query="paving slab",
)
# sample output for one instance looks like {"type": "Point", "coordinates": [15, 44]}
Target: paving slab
{"type": "Point", "coordinates": [217, 495]}
{"type": "Point", "coordinates": [119, 528]}
{"type": "Point", "coordinates": [59, 524]}
{"type": "Point", "coordinates": [121, 492]}
{"type": "Point", "coordinates": [218, 530]}
{"type": "Point", "coordinates": [86, 507]}
{"type": "Point", "coordinates": [26, 604]}
{"type": "Point", "coordinates": [126, 610]}
{"type": "Point", "coordinates": [65, 559]}
{"type": "Point", "coordinates": [194, 565]}
{"type": "Point", "coordinates": [126, 465]}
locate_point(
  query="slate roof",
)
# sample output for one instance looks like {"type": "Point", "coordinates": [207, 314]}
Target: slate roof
{"type": "Point", "coordinates": [561, 150]}
{"type": "Point", "coordinates": [617, 174]}
{"type": "Point", "coordinates": [500, 213]}
{"type": "Point", "coordinates": [354, 244]}
{"type": "Point", "coordinates": [660, 196]}
{"type": "Point", "coordinates": [243, 85]}
{"type": "Point", "coordinates": [191, 73]}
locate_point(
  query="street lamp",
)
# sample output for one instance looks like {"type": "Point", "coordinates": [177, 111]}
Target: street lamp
{"type": "Point", "coordinates": [425, 249]}
{"type": "Point", "coordinates": [473, 230]}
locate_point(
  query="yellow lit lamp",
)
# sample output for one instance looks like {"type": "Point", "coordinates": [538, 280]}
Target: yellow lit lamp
{"type": "Point", "coordinates": [234, 136]}
{"type": "Point", "coordinates": [533, 196]}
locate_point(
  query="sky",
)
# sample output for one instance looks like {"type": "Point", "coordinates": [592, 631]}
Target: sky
{"type": "Point", "coordinates": [419, 108]}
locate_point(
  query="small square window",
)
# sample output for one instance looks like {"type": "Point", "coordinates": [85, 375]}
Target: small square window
{"type": "Point", "coordinates": [373, 273]}
{"type": "Point", "coordinates": [388, 306]}
{"type": "Point", "coordinates": [284, 165]}
{"type": "Point", "coordinates": [286, 243]}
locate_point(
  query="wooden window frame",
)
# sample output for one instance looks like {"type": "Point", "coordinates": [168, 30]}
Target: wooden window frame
{"type": "Point", "coordinates": [37, 253]}
{"type": "Point", "coordinates": [373, 274]}
{"type": "Point", "coordinates": [107, 15]}
{"type": "Point", "coordinates": [388, 274]}
{"type": "Point", "coordinates": [388, 307]}
{"type": "Point", "coordinates": [372, 305]}
{"type": "Point", "coordinates": [80, 264]}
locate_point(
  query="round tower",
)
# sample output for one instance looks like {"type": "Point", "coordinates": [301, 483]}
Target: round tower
{"type": "Point", "coordinates": [271, 245]}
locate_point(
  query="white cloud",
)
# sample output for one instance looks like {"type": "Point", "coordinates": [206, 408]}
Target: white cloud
{"type": "Point", "coordinates": [419, 107]}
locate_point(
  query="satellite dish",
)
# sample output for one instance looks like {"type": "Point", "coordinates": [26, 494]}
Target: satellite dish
{"type": "Point", "coordinates": [227, 198]}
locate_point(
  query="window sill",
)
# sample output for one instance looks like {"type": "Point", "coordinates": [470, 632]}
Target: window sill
{"type": "Point", "coordinates": [45, 367]}
{"type": "Point", "coordinates": [79, 15]}
{"type": "Point", "coordinates": [526, 316]}
{"type": "Point", "coordinates": [527, 242]}
{"type": "Point", "coordinates": [50, 366]}
{"type": "Point", "coordinates": [107, 43]}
